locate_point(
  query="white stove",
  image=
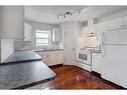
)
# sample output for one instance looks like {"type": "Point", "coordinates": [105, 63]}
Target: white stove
{"type": "Point", "coordinates": [84, 56]}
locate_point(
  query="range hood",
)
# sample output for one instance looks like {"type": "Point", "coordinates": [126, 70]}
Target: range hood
{"type": "Point", "coordinates": [89, 29]}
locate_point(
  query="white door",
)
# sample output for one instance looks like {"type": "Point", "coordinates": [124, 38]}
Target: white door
{"type": "Point", "coordinates": [114, 64]}
{"type": "Point", "coordinates": [70, 54]}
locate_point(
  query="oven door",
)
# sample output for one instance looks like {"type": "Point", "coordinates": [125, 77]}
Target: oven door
{"type": "Point", "coordinates": [82, 57]}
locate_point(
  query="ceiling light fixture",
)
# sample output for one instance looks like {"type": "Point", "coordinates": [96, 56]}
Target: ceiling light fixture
{"type": "Point", "coordinates": [70, 13]}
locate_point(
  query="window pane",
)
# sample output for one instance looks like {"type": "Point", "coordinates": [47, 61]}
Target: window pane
{"type": "Point", "coordinates": [42, 41]}
{"type": "Point", "coordinates": [42, 35]}
{"type": "Point", "coordinates": [44, 31]}
{"type": "Point", "coordinates": [41, 44]}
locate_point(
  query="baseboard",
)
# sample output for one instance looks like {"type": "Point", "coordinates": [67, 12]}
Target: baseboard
{"type": "Point", "coordinates": [113, 84]}
{"type": "Point", "coordinates": [56, 66]}
{"type": "Point", "coordinates": [96, 74]}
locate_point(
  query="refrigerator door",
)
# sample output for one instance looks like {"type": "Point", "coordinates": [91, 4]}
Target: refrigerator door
{"type": "Point", "coordinates": [115, 37]}
{"type": "Point", "coordinates": [114, 64]}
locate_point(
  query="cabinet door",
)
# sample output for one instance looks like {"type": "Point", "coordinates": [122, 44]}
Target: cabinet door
{"type": "Point", "coordinates": [124, 21]}
{"type": "Point", "coordinates": [96, 61]}
{"type": "Point", "coordinates": [27, 32]}
{"type": "Point", "coordinates": [56, 34]}
{"type": "Point", "coordinates": [56, 57]}
{"type": "Point", "coordinates": [92, 29]}
{"type": "Point", "coordinates": [45, 57]}
{"type": "Point", "coordinates": [12, 22]}
{"type": "Point", "coordinates": [114, 24]}
{"type": "Point", "coordinates": [52, 57]}
{"type": "Point", "coordinates": [84, 31]}
{"type": "Point", "coordinates": [99, 31]}
{"type": "Point", "coordinates": [59, 57]}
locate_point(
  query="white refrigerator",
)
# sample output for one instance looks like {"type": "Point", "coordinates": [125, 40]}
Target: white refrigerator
{"type": "Point", "coordinates": [114, 57]}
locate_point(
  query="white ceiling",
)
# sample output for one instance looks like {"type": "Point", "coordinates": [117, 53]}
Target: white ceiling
{"type": "Point", "coordinates": [48, 14]}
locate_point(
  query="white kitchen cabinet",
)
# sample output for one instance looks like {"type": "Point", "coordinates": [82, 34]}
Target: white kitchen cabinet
{"type": "Point", "coordinates": [88, 30]}
{"type": "Point", "coordinates": [52, 57]}
{"type": "Point", "coordinates": [114, 24]}
{"type": "Point", "coordinates": [56, 34]}
{"type": "Point", "coordinates": [124, 21]}
{"type": "Point", "coordinates": [117, 23]}
{"type": "Point", "coordinates": [96, 61]}
{"type": "Point", "coordinates": [11, 22]}
{"type": "Point", "coordinates": [100, 28]}
{"type": "Point", "coordinates": [84, 31]}
{"type": "Point", "coordinates": [27, 32]}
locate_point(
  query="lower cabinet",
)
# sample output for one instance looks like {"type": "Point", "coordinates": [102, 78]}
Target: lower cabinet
{"type": "Point", "coordinates": [52, 57]}
{"type": "Point", "coordinates": [96, 62]}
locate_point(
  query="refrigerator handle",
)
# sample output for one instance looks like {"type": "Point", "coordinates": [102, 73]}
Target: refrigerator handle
{"type": "Point", "coordinates": [104, 51]}
{"type": "Point", "coordinates": [103, 38]}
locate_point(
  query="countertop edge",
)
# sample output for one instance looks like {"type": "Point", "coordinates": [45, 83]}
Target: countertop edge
{"type": "Point", "coordinates": [47, 50]}
{"type": "Point", "coordinates": [20, 61]}
{"type": "Point", "coordinates": [35, 83]}
{"type": "Point", "coordinates": [6, 61]}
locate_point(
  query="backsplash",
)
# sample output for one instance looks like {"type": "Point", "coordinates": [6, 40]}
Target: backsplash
{"type": "Point", "coordinates": [87, 42]}
{"type": "Point", "coordinates": [30, 45]}
{"type": "Point", "coordinates": [24, 45]}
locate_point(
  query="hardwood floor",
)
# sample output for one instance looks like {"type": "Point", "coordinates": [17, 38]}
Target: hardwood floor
{"type": "Point", "coordinates": [72, 77]}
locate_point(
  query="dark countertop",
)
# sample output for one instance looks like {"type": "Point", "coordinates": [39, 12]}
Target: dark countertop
{"type": "Point", "coordinates": [22, 56]}
{"type": "Point", "coordinates": [44, 50]}
{"type": "Point", "coordinates": [23, 75]}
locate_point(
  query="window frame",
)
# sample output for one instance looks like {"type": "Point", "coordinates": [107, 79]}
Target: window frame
{"type": "Point", "coordinates": [49, 38]}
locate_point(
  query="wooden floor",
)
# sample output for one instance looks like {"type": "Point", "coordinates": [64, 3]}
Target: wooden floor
{"type": "Point", "coordinates": [72, 77]}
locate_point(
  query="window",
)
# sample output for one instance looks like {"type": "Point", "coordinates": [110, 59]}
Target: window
{"type": "Point", "coordinates": [43, 38]}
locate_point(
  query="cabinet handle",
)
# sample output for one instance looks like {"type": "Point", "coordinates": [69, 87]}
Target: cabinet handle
{"type": "Point", "coordinates": [122, 25]}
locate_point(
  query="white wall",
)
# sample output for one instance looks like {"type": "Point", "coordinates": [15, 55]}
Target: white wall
{"type": "Point", "coordinates": [7, 48]}
{"type": "Point", "coordinates": [24, 45]}
{"type": "Point", "coordinates": [11, 22]}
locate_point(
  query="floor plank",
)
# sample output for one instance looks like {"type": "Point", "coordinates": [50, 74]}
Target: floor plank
{"type": "Point", "coordinates": [72, 77]}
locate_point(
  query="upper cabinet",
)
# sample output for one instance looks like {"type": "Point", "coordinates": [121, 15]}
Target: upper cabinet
{"type": "Point", "coordinates": [27, 32]}
{"type": "Point", "coordinates": [56, 34]}
{"type": "Point", "coordinates": [117, 23]}
{"type": "Point", "coordinates": [94, 30]}
{"type": "Point", "coordinates": [11, 22]}
{"type": "Point", "coordinates": [84, 31]}
{"type": "Point", "coordinates": [124, 21]}
{"type": "Point", "coordinates": [88, 30]}
{"type": "Point", "coordinates": [100, 28]}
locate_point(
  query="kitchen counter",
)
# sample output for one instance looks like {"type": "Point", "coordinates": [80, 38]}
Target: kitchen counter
{"type": "Point", "coordinates": [23, 75]}
{"type": "Point", "coordinates": [96, 51]}
{"type": "Point", "coordinates": [22, 56]}
{"type": "Point", "coordinates": [46, 50]}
